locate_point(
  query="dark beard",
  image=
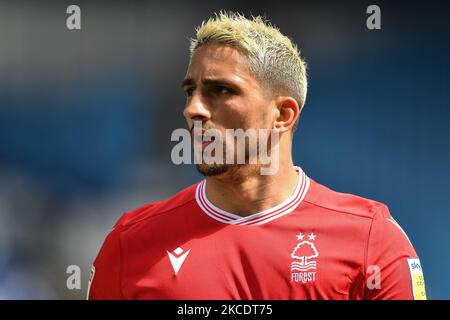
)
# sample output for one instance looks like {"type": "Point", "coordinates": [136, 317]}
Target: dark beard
{"type": "Point", "coordinates": [209, 170]}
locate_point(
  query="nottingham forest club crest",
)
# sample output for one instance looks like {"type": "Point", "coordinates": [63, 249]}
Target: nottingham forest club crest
{"type": "Point", "coordinates": [304, 264]}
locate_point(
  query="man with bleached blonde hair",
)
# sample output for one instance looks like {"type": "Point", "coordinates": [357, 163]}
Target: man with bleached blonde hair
{"type": "Point", "coordinates": [239, 234]}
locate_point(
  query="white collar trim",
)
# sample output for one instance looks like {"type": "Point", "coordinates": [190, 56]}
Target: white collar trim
{"type": "Point", "coordinates": [259, 218]}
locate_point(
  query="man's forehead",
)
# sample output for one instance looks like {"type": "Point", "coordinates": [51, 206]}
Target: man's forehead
{"type": "Point", "coordinates": [214, 60]}
{"type": "Point", "coordinates": [219, 52]}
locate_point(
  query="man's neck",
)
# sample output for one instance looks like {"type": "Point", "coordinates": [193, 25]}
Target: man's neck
{"type": "Point", "coordinates": [245, 191]}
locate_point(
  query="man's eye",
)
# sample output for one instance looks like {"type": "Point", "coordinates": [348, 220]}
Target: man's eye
{"type": "Point", "coordinates": [188, 92]}
{"type": "Point", "coordinates": [223, 90]}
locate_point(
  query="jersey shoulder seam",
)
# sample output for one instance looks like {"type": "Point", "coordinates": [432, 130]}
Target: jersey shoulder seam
{"type": "Point", "coordinates": [373, 211]}
{"type": "Point", "coordinates": [366, 249]}
{"type": "Point", "coordinates": [152, 215]}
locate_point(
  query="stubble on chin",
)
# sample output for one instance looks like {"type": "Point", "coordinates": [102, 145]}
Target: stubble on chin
{"type": "Point", "coordinates": [210, 170]}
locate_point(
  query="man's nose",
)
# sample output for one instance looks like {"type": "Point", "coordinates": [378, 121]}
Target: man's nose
{"type": "Point", "coordinates": [196, 109]}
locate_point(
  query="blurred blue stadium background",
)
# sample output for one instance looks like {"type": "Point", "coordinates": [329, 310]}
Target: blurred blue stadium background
{"type": "Point", "coordinates": [86, 118]}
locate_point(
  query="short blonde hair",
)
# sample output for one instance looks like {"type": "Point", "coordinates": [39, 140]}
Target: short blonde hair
{"type": "Point", "coordinates": [274, 59]}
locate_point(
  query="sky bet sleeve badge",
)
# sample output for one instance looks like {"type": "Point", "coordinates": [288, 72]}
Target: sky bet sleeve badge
{"type": "Point", "coordinates": [417, 280]}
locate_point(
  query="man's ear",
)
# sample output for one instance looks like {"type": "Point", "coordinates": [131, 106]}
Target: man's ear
{"type": "Point", "coordinates": [287, 114]}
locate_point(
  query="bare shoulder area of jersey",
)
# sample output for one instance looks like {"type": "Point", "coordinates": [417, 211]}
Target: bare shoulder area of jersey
{"type": "Point", "coordinates": [202, 311]}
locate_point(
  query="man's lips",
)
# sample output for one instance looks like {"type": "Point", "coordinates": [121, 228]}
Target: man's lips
{"type": "Point", "coordinates": [206, 142]}
{"type": "Point", "coordinates": [200, 138]}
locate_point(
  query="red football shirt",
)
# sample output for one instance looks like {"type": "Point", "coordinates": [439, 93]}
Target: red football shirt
{"type": "Point", "coordinates": [318, 244]}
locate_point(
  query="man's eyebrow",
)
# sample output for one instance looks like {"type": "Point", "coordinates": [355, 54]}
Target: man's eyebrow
{"type": "Point", "coordinates": [209, 81]}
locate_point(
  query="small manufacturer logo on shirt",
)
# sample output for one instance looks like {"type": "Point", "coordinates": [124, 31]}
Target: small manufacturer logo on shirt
{"type": "Point", "coordinates": [177, 258]}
